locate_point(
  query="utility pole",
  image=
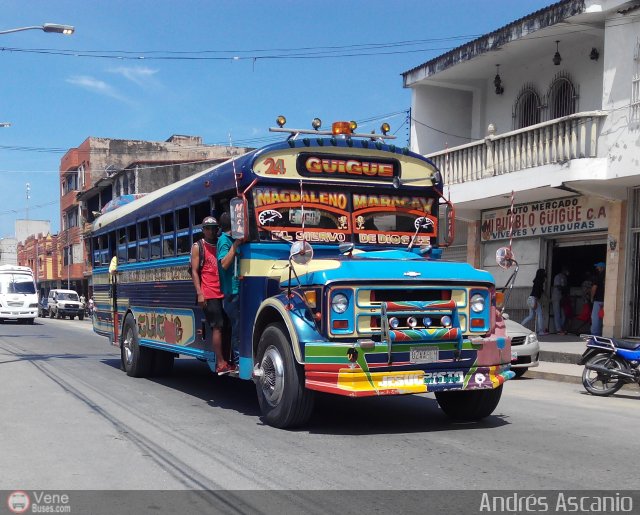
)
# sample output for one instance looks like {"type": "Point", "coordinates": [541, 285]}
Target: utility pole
{"type": "Point", "coordinates": [28, 197]}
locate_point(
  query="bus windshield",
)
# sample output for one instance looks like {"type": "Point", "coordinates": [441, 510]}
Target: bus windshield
{"type": "Point", "coordinates": [17, 283]}
{"type": "Point", "coordinates": [333, 215]}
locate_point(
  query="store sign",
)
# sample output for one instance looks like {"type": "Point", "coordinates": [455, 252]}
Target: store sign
{"type": "Point", "coordinates": [545, 218]}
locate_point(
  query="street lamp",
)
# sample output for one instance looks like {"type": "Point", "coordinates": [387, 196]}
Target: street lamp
{"type": "Point", "coordinates": [47, 27]}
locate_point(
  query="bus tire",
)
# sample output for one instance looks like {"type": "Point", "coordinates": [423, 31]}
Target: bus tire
{"type": "Point", "coordinates": [283, 398]}
{"type": "Point", "coordinates": [30, 321]}
{"type": "Point", "coordinates": [81, 316]}
{"type": "Point", "coordinates": [469, 405]}
{"type": "Point", "coordinates": [162, 364]}
{"type": "Point", "coordinates": [137, 360]}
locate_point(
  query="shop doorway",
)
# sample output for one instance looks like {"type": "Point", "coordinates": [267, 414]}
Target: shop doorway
{"type": "Point", "coordinates": [579, 257]}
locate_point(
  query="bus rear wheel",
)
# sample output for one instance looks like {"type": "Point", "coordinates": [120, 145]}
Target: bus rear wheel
{"type": "Point", "coordinates": [469, 405]}
{"type": "Point", "coordinates": [136, 360]}
{"type": "Point", "coordinates": [283, 398]}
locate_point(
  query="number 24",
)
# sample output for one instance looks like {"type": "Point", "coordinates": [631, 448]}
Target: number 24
{"type": "Point", "coordinates": [275, 167]}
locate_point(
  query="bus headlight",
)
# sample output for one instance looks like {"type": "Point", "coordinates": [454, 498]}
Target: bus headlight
{"type": "Point", "coordinates": [339, 303]}
{"type": "Point", "coordinates": [394, 323]}
{"type": "Point", "coordinates": [477, 303]}
{"type": "Point", "coordinates": [446, 321]}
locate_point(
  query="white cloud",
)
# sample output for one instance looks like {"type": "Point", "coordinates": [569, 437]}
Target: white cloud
{"type": "Point", "coordinates": [97, 86]}
{"type": "Point", "coordinates": [140, 75]}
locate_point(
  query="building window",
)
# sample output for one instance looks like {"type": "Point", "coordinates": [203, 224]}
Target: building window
{"type": "Point", "coordinates": [635, 99]}
{"type": "Point", "coordinates": [70, 218]}
{"type": "Point", "coordinates": [527, 108]}
{"type": "Point", "coordinates": [562, 97]}
{"type": "Point", "coordinates": [67, 256]}
{"type": "Point", "coordinates": [70, 182]}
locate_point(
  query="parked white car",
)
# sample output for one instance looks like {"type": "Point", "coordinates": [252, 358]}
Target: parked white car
{"type": "Point", "coordinates": [64, 303]}
{"type": "Point", "coordinates": [525, 348]}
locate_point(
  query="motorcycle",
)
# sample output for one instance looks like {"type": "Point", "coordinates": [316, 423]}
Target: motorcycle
{"type": "Point", "coordinates": [609, 364]}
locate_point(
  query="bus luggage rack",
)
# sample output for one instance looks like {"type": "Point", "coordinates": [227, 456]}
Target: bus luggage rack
{"type": "Point", "coordinates": [444, 311]}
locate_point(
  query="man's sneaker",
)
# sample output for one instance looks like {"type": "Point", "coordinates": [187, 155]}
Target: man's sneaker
{"type": "Point", "coordinates": [225, 369]}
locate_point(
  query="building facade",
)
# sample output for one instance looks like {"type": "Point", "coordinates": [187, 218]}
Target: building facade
{"type": "Point", "coordinates": [536, 127]}
{"type": "Point", "coordinates": [40, 252]}
{"type": "Point", "coordinates": [101, 169]}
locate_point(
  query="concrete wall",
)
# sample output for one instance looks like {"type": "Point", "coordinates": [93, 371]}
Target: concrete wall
{"type": "Point", "coordinates": [26, 228]}
{"type": "Point", "coordinates": [8, 251]}
{"type": "Point", "coordinates": [448, 110]}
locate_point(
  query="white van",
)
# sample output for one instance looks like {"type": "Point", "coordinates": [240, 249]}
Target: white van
{"type": "Point", "coordinates": [65, 303]}
{"type": "Point", "coordinates": [18, 297]}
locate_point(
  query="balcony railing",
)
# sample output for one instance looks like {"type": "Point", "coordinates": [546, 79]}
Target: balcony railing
{"type": "Point", "coordinates": [556, 141]}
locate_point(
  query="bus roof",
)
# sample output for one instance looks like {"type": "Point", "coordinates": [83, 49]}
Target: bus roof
{"type": "Point", "coordinates": [15, 269]}
{"type": "Point", "coordinates": [322, 160]}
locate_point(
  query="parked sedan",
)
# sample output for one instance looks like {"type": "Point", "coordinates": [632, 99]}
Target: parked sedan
{"type": "Point", "coordinates": [43, 307]}
{"type": "Point", "coordinates": [525, 348]}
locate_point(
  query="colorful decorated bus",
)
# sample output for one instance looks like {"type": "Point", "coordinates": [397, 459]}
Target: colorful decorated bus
{"type": "Point", "coordinates": [343, 288]}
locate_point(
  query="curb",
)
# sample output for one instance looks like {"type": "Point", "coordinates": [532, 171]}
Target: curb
{"type": "Point", "coordinates": [559, 357]}
{"type": "Point", "coordinates": [552, 376]}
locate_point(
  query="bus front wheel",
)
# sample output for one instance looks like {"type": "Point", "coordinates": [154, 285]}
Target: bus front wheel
{"type": "Point", "coordinates": [283, 398]}
{"type": "Point", "coordinates": [136, 360]}
{"type": "Point", "coordinates": [469, 405]}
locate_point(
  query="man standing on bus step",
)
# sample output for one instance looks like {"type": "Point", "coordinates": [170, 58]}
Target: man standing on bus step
{"type": "Point", "coordinates": [229, 284]}
{"type": "Point", "coordinates": [207, 283]}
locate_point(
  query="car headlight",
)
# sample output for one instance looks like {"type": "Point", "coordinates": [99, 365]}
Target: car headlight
{"type": "Point", "coordinates": [531, 338]}
{"type": "Point", "coordinates": [477, 303]}
{"type": "Point", "coordinates": [339, 303]}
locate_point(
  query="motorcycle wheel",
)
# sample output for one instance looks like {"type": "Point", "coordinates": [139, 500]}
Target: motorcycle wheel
{"type": "Point", "coordinates": [599, 383]}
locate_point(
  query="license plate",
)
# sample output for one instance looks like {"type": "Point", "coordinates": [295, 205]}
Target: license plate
{"type": "Point", "coordinates": [421, 355]}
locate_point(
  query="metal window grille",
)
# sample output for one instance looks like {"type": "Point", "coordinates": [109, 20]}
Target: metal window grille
{"type": "Point", "coordinates": [562, 97]}
{"type": "Point", "coordinates": [635, 99]}
{"type": "Point", "coordinates": [527, 108]}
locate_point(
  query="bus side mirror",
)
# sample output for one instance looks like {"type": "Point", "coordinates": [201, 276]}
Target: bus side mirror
{"type": "Point", "coordinates": [504, 258]}
{"type": "Point", "coordinates": [238, 213]}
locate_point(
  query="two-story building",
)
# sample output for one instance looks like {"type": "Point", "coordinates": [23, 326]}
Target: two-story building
{"type": "Point", "coordinates": [101, 169]}
{"type": "Point", "coordinates": [536, 127]}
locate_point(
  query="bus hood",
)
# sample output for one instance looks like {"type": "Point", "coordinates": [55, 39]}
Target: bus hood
{"type": "Point", "coordinates": [387, 265]}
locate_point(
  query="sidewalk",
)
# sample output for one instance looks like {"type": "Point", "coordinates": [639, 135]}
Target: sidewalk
{"type": "Point", "coordinates": [558, 357]}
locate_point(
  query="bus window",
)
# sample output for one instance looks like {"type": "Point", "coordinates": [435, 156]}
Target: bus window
{"type": "Point", "coordinates": [168, 245]}
{"type": "Point", "coordinates": [167, 223]}
{"type": "Point", "coordinates": [132, 244]}
{"type": "Point", "coordinates": [143, 243]}
{"type": "Point", "coordinates": [183, 243]}
{"type": "Point", "coordinates": [122, 253]}
{"type": "Point", "coordinates": [96, 252]}
{"type": "Point", "coordinates": [200, 212]}
{"type": "Point", "coordinates": [154, 226]}
{"type": "Point", "coordinates": [183, 218]}
{"type": "Point", "coordinates": [155, 248]}
{"type": "Point", "coordinates": [143, 251]}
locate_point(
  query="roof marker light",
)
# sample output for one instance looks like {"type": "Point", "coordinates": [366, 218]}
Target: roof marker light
{"type": "Point", "coordinates": [341, 128]}
{"type": "Point", "coordinates": [281, 120]}
{"type": "Point", "coordinates": [385, 127]}
{"type": "Point", "coordinates": [354, 125]}
{"type": "Point", "coordinates": [316, 123]}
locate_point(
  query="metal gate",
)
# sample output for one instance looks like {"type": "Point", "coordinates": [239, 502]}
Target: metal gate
{"type": "Point", "coordinates": [634, 300]}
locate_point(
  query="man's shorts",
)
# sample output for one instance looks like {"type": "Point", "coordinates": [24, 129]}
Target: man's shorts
{"type": "Point", "coordinates": [214, 313]}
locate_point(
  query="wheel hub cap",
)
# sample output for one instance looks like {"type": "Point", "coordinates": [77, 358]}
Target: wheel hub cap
{"type": "Point", "coordinates": [272, 381]}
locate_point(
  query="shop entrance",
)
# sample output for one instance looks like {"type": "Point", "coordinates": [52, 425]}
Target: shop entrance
{"type": "Point", "coordinates": [579, 256]}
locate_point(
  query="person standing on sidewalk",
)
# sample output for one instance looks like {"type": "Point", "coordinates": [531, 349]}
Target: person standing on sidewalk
{"type": "Point", "coordinates": [206, 281]}
{"type": "Point", "coordinates": [560, 283]}
{"type": "Point", "coordinates": [229, 283]}
{"type": "Point", "coordinates": [535, 302]}
{"type": "Point", "coordinates": [597, 299]}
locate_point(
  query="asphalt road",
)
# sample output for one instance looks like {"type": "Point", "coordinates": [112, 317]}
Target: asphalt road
{"type": "Point", "coordinates": [71, 419]}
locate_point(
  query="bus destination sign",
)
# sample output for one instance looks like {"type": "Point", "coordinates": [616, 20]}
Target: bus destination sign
{"type": "Point", "coordinates": [325, 165]}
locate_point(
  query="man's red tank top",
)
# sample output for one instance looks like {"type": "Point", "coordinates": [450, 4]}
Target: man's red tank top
{"type": "Point", "coordinates": [209, 279]}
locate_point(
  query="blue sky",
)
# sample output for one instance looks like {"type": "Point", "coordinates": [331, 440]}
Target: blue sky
{"type": "Point", "coordinates": [54, 102]}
